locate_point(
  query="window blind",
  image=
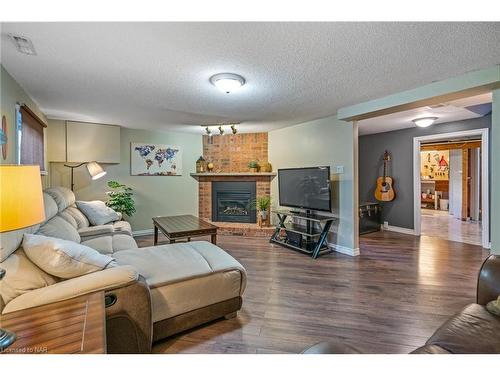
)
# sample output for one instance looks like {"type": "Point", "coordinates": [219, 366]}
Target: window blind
{"type": "Point", "coordinates": [31, 138]}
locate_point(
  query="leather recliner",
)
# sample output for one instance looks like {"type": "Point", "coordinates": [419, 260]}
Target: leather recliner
{"type": "Point", "coordinates": [473, 330]}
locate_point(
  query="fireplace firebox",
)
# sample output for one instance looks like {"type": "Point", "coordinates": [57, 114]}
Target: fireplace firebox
{"type": "Point", "coordinates": [232, 201]}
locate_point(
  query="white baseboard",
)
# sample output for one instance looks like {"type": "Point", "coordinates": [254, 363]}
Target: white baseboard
{"type": "Point", "coordinates": [344, 250]}
{"type": "Point", "coordinates": [392, 228]}
{"type": "Point", "coordinates": [143, 232]}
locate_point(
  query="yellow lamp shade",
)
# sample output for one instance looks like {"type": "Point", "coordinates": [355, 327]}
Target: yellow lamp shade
{"type": "Point", "coordinates": [21, 197]}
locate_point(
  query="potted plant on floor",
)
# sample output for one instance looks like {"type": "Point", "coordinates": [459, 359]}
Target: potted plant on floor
{"type": "Point", "coordinates": [253, 166]}
{"type": "Point", "coordinates": [120, 198]}
{"type": "Point", "coordinates": [262, 205]}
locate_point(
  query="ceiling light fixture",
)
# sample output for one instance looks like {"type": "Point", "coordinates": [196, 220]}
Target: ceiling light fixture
{"type": "Point", "coordinates": [424, 122]}
{"type": "Point", "coordinates": [227, 82]}
{"type": "Point", "coordinates": [221, 131]}
{"type": "Point", "coordinates": [233, 129]}
{"type": "Point", "coordinates": [23, 45]}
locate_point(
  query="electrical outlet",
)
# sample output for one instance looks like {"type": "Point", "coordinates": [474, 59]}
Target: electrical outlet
{"type": "Point", "coordinates": [339, 169]}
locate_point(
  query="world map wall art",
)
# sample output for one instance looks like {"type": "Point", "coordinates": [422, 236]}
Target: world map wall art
{"type": "Point", "coordinates": [148, 159]}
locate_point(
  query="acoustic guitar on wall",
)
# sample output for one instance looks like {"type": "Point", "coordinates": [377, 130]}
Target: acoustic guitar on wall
{"type": "Point", "coordinates": [385, 190]}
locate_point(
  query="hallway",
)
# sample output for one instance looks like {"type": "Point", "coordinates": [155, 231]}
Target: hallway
{"type": "Point", "coordinates": [440, 224]}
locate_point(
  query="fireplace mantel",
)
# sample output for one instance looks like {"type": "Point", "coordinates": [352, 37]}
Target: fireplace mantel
{"type": "Point", "coordinates": [271, 175]}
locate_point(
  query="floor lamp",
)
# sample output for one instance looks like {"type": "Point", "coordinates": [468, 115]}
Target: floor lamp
{"type": "Point", "coordinates": [94, 169]}
{"type": "Point", "coordinates": [21, 206]}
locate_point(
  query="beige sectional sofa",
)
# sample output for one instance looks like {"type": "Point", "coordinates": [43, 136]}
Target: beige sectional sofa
{"type": "Point", "coordinates": [156, 291]}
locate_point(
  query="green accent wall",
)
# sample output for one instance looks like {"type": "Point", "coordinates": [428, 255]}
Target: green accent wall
{"type": "Point", "coordinates": [326, 141]}
{"type": "Point", "coordinates": [154, 195]}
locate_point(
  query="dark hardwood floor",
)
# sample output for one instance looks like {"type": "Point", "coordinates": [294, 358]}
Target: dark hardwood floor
{"type": "Point", "coordinates": [390, 299]}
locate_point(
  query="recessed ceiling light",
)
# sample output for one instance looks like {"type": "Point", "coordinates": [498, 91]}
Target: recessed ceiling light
{"type": "Point", "coordinates": [424, 122]}
{"type": "Point", "coordinates": [227, 82]}
{"type": "Point", "coordinates": [23, 45]}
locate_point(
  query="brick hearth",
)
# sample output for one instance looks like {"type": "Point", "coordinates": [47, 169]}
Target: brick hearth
{"type": "Point", "coordinates": [263, 184]}
{"type": "Point", "coordinates": [230, 154]}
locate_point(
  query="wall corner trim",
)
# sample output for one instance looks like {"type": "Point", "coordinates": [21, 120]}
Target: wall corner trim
{"type": "Point", "coordinates": [344, 250]}
{"type": "Point", "coordinates": [392, 228]}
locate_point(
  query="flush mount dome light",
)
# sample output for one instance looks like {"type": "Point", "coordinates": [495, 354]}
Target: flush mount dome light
{"type": "Point", "coordinates": [227, 82]}
{"type": "Point", "coordinates": [424, 122]}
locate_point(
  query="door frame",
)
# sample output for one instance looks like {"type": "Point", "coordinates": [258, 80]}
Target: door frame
{"type": "Point", "coordinates": [484, 134]}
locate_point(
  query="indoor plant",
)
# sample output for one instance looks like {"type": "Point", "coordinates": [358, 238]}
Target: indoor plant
{"type": "Point", "coordinates": [120, 198]}
{"type": "Point", "coordinates": [262, 205]}
{"type": "Point", "coordinates": [253, 165]}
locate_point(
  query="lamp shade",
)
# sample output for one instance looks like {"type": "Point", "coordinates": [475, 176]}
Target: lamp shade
{"type": "Point", "coordinates": [21, 197]}
{"type": "Point", "coordinates": [95, 170]}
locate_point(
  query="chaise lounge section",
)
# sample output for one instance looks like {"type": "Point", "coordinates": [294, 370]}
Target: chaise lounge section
{"type": "Point", "coordinates": [156, 291]}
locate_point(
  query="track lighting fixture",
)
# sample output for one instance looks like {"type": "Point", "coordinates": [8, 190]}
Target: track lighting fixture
{"type": "Point", "coordinates": [233, 129]}
{"type": "Point", "coordinates": [221, 131]}
{"type": "Point", "coordinates": [209, 132]}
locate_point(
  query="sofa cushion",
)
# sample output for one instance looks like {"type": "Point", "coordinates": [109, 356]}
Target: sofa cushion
{"type": "Point", "coordinates": [63, 197]}
{"type": "Point", "coordinates": [122, 227]}
{"type": "Point", "coordinates": [10, 241]}
{"type": "Point", "coordinates": [97, 212]}
{"type": "Point", "coordinates": [81, 219]}
{"type": "Point", "coordinates": [103, 244]}
{"type": "Point", "coordinates": [123, 242]}
{"type": "Point", "coordinates": [474, 330]}
{"type": "Point", "coordinates": [64, 259]}
{"type": "Point", "coordinates": [200, 270]}
{"type": "Point", "coordinates": [59, 228]}
{"type": "Point", "coordinates": [111, 243]}
{"type": "Point", "coordinates": [22, 276]}
{"type": "Point", "coordinates": [50, 206]}
{"type": "Point", "coordinates": [69, 218]}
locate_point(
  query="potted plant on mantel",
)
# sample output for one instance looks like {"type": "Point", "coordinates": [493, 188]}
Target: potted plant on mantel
{"type": "Point", "coordinates": [262, 205]}
{"type": "Point", "coordinates": [253, 166]}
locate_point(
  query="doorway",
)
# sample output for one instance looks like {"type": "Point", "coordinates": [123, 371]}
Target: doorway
{"type": "Point", "coordinates": [451, 198]}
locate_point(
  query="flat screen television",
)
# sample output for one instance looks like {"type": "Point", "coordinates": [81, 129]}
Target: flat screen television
{"type": "Point", "coordinates": [305, 188]}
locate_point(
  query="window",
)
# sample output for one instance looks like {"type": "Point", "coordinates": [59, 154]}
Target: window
{"type": "Point", "coordinates": [30, 138]}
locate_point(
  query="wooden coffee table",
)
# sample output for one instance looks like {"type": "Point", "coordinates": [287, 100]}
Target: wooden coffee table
{"type": "Point", "coordinates": [183, 226]}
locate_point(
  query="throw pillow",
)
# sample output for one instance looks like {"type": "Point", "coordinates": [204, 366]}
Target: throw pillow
{"type": "Point", "coordinates": [494, 306]}
{"type": "Point", "coordinates": [97, 212]}
{"type": "Point", "coordinates": [22, 276]}
{"type": "Point", "coordinates": [61, 258]}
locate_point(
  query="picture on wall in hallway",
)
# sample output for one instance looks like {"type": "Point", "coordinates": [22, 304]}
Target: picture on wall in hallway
{"type": "Point", "coordinates": [148, 159]}
{"type": "Point", "coordinates": [435, 165]}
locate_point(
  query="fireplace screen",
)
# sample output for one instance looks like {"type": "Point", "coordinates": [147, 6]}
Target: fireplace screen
{"type": "Point", "coordinates": [232, 202]}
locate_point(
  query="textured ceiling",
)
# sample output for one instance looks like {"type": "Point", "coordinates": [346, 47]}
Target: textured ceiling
{"type": "Point", "coordinates": [462, 109]}
{"type": "Point", "coordinates": [155, 75]}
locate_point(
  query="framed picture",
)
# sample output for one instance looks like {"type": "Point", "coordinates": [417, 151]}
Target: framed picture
{"type": "Point", "coordinates": [150, 159]}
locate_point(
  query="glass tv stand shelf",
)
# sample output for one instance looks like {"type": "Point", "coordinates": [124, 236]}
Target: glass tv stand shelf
{"type": "Point", "coordinates": [309, 237]}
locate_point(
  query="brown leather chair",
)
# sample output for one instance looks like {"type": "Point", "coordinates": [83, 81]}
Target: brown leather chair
{"type": "Point", "coordinates": [473, 330]}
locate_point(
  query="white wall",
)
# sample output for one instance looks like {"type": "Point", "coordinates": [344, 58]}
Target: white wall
{"type": "Point", "coordinates": [326, 141]}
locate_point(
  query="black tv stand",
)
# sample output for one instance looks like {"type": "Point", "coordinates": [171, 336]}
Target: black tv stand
{"type": "Point", "coordinates": [313, 238]}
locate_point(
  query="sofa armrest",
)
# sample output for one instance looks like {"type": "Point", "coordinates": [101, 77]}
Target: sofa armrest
{"type": "Point", "coordinates": [488, 282]}
{"type": "Point", "coordinates": [96, 230]}
{"type": "Point", "coordinates": [108, 279]}
{"type": "Point", "coordinates": [129, 322]}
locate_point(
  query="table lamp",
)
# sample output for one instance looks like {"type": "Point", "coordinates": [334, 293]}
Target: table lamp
{"type": "Point", "coordinates": [21, 206]}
